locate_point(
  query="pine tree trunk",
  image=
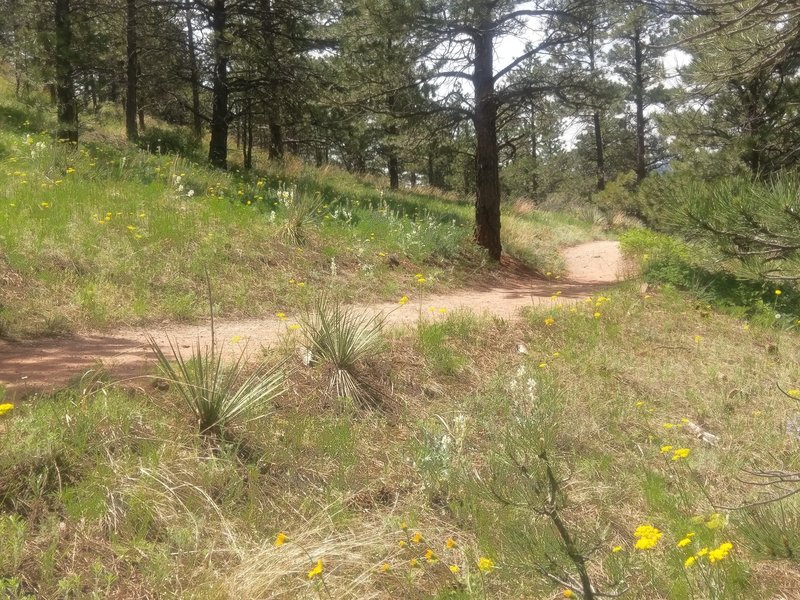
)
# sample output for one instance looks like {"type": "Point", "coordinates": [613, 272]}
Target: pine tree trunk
{"type": "Point", "coordinates": [638, 96]}
{"type": "Point", "coordinates": [276, 149]}
{"type": "Point", "coordinates": [93, 90]}
{"type": "Point", "coordinates": [218, 147]}
{"type": "Point", "coordinates": [197, 119]}
{"type": "Point", "coordinates": [487, 179]}
{"type": "Point", "coordinates": [534, 139]}
{"type": "Point", "coordinates": [598, 132]}
{"type": "Point", "coordinates": [247, 136]}
{"type": "Point", "coordinates": [754, 121]}
{"type": "Point", "coordinates": [65, 85]}
{"type": "Point", "coordinates": [394, 172]}
{"type": "Point", "coordinates": [599, 157]}
{"type": "Point", "coordinates": [131, 72]}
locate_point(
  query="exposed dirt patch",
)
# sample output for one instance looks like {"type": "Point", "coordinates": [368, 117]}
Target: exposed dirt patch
{"type": "Point", "coordinates": [43, 364]}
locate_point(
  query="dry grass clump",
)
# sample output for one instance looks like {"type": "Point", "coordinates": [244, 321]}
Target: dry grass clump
{"type": "Point", "coordinates": [376, 556]}
{"type": "Point", "coordinates": [351, 560]}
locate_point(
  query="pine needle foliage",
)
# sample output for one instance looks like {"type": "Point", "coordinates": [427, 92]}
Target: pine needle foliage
{"type": "Point", "coordinates": [343, 338]}
{"type": "Point", "coordinates": [756, 223]}
{"type": "Point", "coordinates": [219, 395]}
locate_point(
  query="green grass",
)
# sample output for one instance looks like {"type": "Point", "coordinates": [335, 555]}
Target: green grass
{"type": "Point", "coordinates": [712, 279]}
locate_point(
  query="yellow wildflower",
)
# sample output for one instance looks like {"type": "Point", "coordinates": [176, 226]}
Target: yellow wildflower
{"type": "Point", "coordinates": [402, 543]}
{"type": "Point", "coordinates": [454, 569]}
{"type": "Point", "coordinates": [549, 321]}
{"type": "Point", "coordinates": [281, 315]}
{"type": "Point", "coordinates": [4, 408]}
{"type": "Point", "coordinates": [430, 556]}
{"type": "Point", "coordinates": [403, 300]}
{"type": "Point", "coordinates": [794, 393]}
{"type": "Point", "coordinates": [385, 567]}
{"type": "Point", "coordinates": [689, 561]}
{"type": "Point", "coordinates": [616, 549]}
{"type": "Point", "coordinates": [317, 570]}
{"type": "Point", "coordinates": [697, 339]}
{"type": "Point", "coordinates": [684, 542]}
{"type": "Point", "coordinates": [450, 543]}
{"type": "Point", "coordinates": [680, 453]}
{"type": "Point", "coordinates": [665, 449]}
{"type": "Point", "coordinates": [720, 552]}
{"type": "Point", "coordinates": [568, 593]}
{"type": "Point", "coordinates": [417, 537]}
{"type": "Point", "coordinates": [542, 365]}
{"type": "Point", "coordinates": [778, 292]}
{"type": "Point", "coordinates": [597, 315]}
{"type": "Point", "coordinates": [486, 564]}
{"type": "Point", "coordinates": [413, 563]}
{"type": "Point", "coordinates": [280, 539]}
{"type": "Point", "coordinates": [647, 537]}
{"type": "Point", "coordinates": [668, 425]}
{"type": "Point", "coordinates": [403, 525]}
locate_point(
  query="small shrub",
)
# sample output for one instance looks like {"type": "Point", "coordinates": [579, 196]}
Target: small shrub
{"type": "Point", "coordinates": [619, 194]}
{"type": "Point", "coordinates": [343, 338]}
{"type": "Point", "coordinates": [219, 395]}
{"type": "Point", "coordinates": [302, 212]}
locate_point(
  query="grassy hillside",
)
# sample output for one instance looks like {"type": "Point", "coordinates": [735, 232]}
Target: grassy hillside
{"type": "Point", "coordinates": [108, 234]}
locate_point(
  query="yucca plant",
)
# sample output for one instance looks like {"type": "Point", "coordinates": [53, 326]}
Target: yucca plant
{"type": "Point", "coordinates": [302, 212]}
{"type": "Point", "coordinates": [219, 395]}
{"type": "Point", "coordinates": [343, 337]}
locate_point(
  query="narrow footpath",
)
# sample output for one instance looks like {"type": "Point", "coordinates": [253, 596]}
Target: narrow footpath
{"type": "Point", "coordinates": [46, 364]}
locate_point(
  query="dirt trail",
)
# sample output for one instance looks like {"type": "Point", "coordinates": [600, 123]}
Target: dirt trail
{"type": "Point", "coordinates": [49, 363]}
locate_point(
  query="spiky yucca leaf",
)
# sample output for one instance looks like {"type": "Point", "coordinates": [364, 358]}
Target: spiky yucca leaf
{"type": "Point", "coordinates": [343, 337]}
{"type": "Point", "coordinates": [301, 213]}
{"type": "Point", "coordinates": [219, 395]}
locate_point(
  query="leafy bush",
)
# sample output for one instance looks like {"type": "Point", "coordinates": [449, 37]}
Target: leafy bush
{"type": "Point", "coordinates": [219, 395]}
{"type": "Point", "coordinates": [170, 141]}
{"type": "Point", "coordinates": [619, 194]}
